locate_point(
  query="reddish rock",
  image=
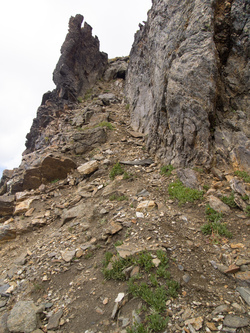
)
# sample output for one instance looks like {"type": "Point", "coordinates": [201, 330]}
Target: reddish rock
{"type": "Point", "coordinates": [232, 269]}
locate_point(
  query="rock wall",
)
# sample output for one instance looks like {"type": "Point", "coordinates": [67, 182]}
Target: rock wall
{"type": "Point", "coordinates": [187, 82]}
{"type": "Point", "coordinates": [81, 63]}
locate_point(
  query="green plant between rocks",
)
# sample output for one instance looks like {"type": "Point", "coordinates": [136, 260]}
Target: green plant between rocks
{"type": "Point", "coordinates": [247, 210]}
{"type": "Point", "coordinates": [214, 226]}
{"type": "Point", "coordinates": [115, 197]}
{"type": "Point", "coordinates": [166, 170]}
{"type": "Point", "coordinates": [116, 171]}
{"type": "Point", "coordinates": [54, 181]}
{"type": "Point", "coordinates": [153, 288]}
{"type": "Point", "coordinates": [212, 215]}
{"type": "Point", "coordinates": [106, 124]}
{"type": "Point", "coordinates": [184, 194]}
{"type": "Point", "coordinates": [229, 200]}
{"type": "Point", "coordinates": [244, 175]}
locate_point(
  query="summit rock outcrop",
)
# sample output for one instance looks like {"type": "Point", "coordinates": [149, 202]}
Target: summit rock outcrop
{"type": "Point", "coordinates": [81, 64]}
{"type": "Point", "coordinates": [188, 80]}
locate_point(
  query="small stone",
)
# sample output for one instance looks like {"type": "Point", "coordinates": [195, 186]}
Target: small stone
{"type": "Point", "coordinates": [99, 310]}
{"type": "Point", "coordinates": [220, 309]}
{"type": "Point", "coordinates": [79, 253]}
{"type": "Point", "coordinates": [23, 206]}
{"type": "Point", "coordinates": [243, 276]}
{"type": "Point", "coordinates": [105, 301]}
{"type": "Point", "coordinates": [119, 298]}
{"type": "Point", "coordinates": [68, 255]}
{"type": "Point", "coordinates": [195, 322]}
{"type": "Point", "coordinates": [156, 262]}
{"type": "Point", "coordinates": [232, 269]}
{"type": "Point", "coordinates": [114, 228]}
{"type": "Point", "coordinates": [3, 303]}
{"type": "Point", "coordinates": [238, 307]}
{"type": "Point", "coordinates": [140, 215]}
{"type": "Point", "coordinates": [186, 278]}
{"type": "Point", "coordinates": [211, 326]}
{"type": "Point", "coordinates": [54, 320]}
{"type": "Point", "coordinates": [187, 314]}
{"type": "Point", "coordinates": [146, 205]}
{"type": "Point", "coordinates": [245, 294]}
{"type": "Point", "coordinates": [237, 246]}
{"type": "Point", "coordinates": [241, 262]}
{"type": "Point", "coordinates": [88, 168]}
{"type": "Point", "coordinates": [218, 205]}
{"type": "Point", "coordinates": [235, 321]}
{"type": "Point", "coordinates": [135, 318]}
{"type": "Point", "coordinates": [115, 310]}
{"type": "Point", "coordinates": [135, 271]}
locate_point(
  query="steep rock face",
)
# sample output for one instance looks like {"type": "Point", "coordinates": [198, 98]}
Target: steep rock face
{"type": "Point", "coordinates": [81, 63]}
{"type": "Point", "coordinates": [187, 73]}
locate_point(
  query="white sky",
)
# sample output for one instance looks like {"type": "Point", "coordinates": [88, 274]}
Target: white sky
{"type": "Point", "coordinates": [31, 35]}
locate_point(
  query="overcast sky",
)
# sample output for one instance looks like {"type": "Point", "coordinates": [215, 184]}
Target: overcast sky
{"type": "Point", "coordinates": [31, 34]}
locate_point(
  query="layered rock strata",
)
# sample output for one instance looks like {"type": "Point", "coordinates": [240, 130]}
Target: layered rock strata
{"type": "Point", "coordinates": [187, 82]}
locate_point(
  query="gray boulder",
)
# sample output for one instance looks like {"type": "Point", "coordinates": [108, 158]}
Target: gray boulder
{"type": "Point", "coordinates": [23, 317]}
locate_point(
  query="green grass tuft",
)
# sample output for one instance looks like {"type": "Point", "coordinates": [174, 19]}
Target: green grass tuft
{"type": "Point", "coordinates": [229, 200]}
{"type": "Point", "coordinates": [212, 215]}
{"type": "Point", "coordinates": [244, 175]}
{"type": "Point", "coordinates": [216, 228]}
{"type": "Point", "coordinates": [166, 170]}
{"type": "Point", "coordinates": [115, 197]}
{"type": "Point", "coordinates": [106, 124]}
{"type": "Point", "coordinates": [183, 194]}
{"type": "Point", "coordinates": [116, 170]}
{"type": "Point", "coordinates": [152, 290]}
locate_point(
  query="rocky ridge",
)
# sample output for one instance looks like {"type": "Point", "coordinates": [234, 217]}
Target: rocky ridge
{"type": "Point", "coordinates": [56, 235]}
{"type": "Point", "coordinates": [64, 209]}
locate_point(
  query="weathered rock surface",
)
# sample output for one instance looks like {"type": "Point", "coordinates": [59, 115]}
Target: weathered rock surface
{"type": "Point", "coordinates": [23, 317]}
{"type": "Point", "coordinates": [81, 63]}
{"type": "Point", "coordinates": [41, 169]}
{"type": "Point", "coordinates": [6, 205]}
{"type": "Point", "coordinates": [116, 69]}
{"type": "Point", "coordinates": [188, 72]}
{"type": "Point", "coordinates": [87, 140]}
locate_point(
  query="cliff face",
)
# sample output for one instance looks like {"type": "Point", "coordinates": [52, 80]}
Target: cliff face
{"type": "Point", "coordinates": [187, 82]}
{"type": "Point", "coordinates": [81, 64]}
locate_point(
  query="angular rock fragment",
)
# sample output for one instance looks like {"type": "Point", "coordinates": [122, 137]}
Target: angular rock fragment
{"type": "Point", "coordinates": [188, 178]}
{"type": "Point", "coordinates": [7, 232]}
{"type": "Point", "coordinates": [6, 205]}
{"type": "Point", "coordinates": [235, 321]}
{"type": "Point", "coordinates": [88, 168]}
{"type": "Point", "coordinates": [218, 205]}
{"type": "Point", "coordinates": [23, 317]}
{"type": "Point", "coordinates": [245, 294]}
{"type": "Point", "coordinates": [146, 205]}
